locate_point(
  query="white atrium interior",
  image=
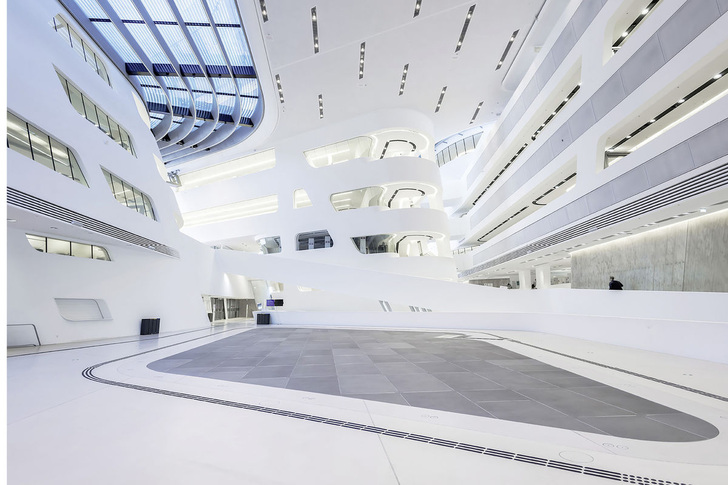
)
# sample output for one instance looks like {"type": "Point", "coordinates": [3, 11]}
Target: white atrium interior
{"type": "Point", "coordinates": [277, 242]}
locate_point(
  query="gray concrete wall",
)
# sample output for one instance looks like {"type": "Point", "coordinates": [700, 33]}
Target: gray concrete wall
{"type": "Point", "coordinates": [687, 256]}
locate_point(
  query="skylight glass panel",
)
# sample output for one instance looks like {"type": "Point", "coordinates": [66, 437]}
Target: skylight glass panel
{"type": "Point", "coordinates": [125, 9]}
{"type": "Point", "coordinates": [92, 9]}
{"type": "Point", "coordinates": [117, 41]}
{"type": "Point", "coordinates": [159, 10]}
{"type": "Point", "coordinates": [177, 42]}
{"type": "Point", "coordinates": [224, 12]}
{"type": "Point", "coordinates": [192, 11]}
{"type": "Point", "coordinates": [234, 44]}
{"type": "Point", "coordinates": [247, 86]}
{"type": "Point", "coordinates": [178, 119]}
{"type": "Point", "coordinates": [178, 96]}
{"type": "Point", "coordinates": [153, 122]}
{"type": "Point", "coordinates": [174, 82]}
{"type": "Point", "coordinates": [223, 85]}
{"type": "Point", "coordinates": [249, 105]}
{"type": "Point", "coordinates": [206, 42]}
{"type": "Point", "coordinates": [226, 104]}
{"type": "Point", "coordinates": [202, 93]}
{"type": "Point", "coordinates": [148, 43]}
{"type": "Point", "coordinates": [203, 102]}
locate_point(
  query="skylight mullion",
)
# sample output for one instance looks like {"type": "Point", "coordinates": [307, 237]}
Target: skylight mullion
{"type": "Point", "coordinates": [125, 9]}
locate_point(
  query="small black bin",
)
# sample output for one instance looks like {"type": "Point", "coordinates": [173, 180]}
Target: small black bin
{"type": "Point", "coordinates": [262, 319]}
{"type": "Point", "coordinates": [149, 326]}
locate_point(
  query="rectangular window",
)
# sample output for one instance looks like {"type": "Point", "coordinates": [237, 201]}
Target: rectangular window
{"type": "Point", "coordinates": [95, 115]}
{"type": "Point", "coordinates": [80, 250]}
{"type": "Point", "coordinates": [18, 136]}
{"type": "Point", "coordinates": [58, 246]}
{"type": "Point", "coordinates": [129, 195]}
{"type": "Point", "coordinates": [82, 48]}
{"type": "Point", "coordinates": [67, 248]}
{"type": "Point", "coordinates": [40, 146]}
{"type": "Point", "coordinates": [60, 158]}
{"type": "Point", "coordinates": [33, 143]}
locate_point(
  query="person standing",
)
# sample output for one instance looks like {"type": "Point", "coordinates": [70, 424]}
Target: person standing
{"type": "Point", "coordinates": [615, 284]}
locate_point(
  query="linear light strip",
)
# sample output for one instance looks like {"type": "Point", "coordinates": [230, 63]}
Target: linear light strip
{"type": "Point", "coordinates": [533, 137]}
{"type": "Point", "coordinates": [508, 47]}
{"type": "Point", "coordinates": [671, 108]}
{"type": "Point", "coordinates": [263, 10]}
{"type": "Point", "coordinates": [477, 110]}
{"type": "Point", "coordinates": [314, 24]}
{"type": "Point", "coordinates": [418, 4]}
{"type": "Point", "coordinates": [439, 101]}
{"type": "Point", "coordinates": [465, 28]}
{"type": "Point", "coordinates": [361, 59]}
{"type": "Point", "coordinates": [622, 38]}
{"type": "Point", "coordinates": [280, 88]}
{"type": "Point", "coordinates": [404, 79]}
{"type": "Point", "coordinates": [321, 105]}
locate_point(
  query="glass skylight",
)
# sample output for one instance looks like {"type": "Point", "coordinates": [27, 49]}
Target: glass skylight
{"type": "Point", "coordinates": [208, 50]}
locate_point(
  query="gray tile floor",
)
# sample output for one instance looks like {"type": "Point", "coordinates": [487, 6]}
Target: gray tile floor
{"type": "Point", "coordinates": [443, 371]}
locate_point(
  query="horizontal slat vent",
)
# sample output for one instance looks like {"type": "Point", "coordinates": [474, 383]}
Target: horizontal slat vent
{"type": "Point", "coordinates": [48, 209]}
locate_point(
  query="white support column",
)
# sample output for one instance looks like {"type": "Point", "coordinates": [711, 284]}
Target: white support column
{"type": "Point", "coordinates": [543, 276]}
{"type": "Point", "coordinates": [524, 277]}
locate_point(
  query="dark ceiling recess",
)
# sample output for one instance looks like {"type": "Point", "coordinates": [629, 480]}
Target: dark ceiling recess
{"type": "Point", "coordinates": [465, 28]}
{"type": "Point", "coordinates": [505, 51]}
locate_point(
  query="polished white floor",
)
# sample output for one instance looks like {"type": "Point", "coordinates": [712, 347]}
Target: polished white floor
{"type": "Point", "coordinates": [66, 429]}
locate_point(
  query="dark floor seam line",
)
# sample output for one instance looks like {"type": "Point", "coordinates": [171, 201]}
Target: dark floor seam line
{"type": "Point", "coordinates": [624, 371]}
{"type": "Point", "coordinates": [527, 459]}
{"type": "Point", "coordinates": [114, 343]}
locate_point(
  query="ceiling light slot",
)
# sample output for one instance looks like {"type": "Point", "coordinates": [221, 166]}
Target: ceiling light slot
{"type": "Point", "coordinates": [418, 4]}
{"type": "Point", "coordinates": [280, 88]}
{"type": "Point", "coordinates": [321, 106]}
{"type": "Point", "coordinates": [477, 110]}
{"type": "Point", "coordinates": [621, 37]}
{"type": "Point", "coordinates": [404, 79]}
{"type": "Point", "coordinates": [263, 10]}
{"type": "Point", "coordinates": [439, 101]}
{"type": "Point", "coordinates": [361, 59]}
{"type": "Point", "coordinates": [314, 24]}
{"type": "Point", "coordinates": [508, 48]}
{"type": "Point", "coordinates": [653, 127]}
{"type": "Point", "coordinates": [533, 138]}
{"type": "Point", "coordinates": [465, 28]}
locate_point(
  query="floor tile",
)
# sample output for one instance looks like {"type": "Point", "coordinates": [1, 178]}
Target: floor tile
{"type": "Point", "coordinates": [444, 401]}
{"type": "Point", "coordinates": [573, 404]}
{"type": "Point", "coordinates": [324, 385]}
{"type": "Point", "coordinates": [356, 369]}
{"type": "Point", "coordinates": [365, 384]}
{"type": "Point", "coordinates": [688, 423]}
{"type": "Point", "coordinates": [640, 428]}
{"type": "Point", "coordinates": [418, 383]}
{"type": "Point", "coordinates": [494, 395]}
{"type": "Point", "coordinates": [390, 397]}
{"type": "Point", "coordinates": [314, 370]}
{"type": "Point", "coordinates": [399, 368]}
{"type": "Point", "coordinates": [271, 371]}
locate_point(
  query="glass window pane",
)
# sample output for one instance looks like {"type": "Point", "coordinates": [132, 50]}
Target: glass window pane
{"type": "Point", "coordinates": [104, 122]}
{"type": "Point", "coordinates": [77, 43]}
{"type": "Point", "coordinates": [80, 250]}
{"type": "Point", "coordinates": [118, 190]}
{"type": "Point", "coordinates": [64, 83]}
{"type": "Point", "coordinates": [469, 143]}
{"type": "Point", "coordinates": [76, 99]}
{"type": "Point", "coordinates": [76, 170]}
{"type": "Point", "coordinates": [58, 246]}
{"type": "Point", "coordinates": [18, 135]}
{"type": "Point", "coordinates": [40, 146]}
{"type": "Point", "coordinates": [90, 57]}
{"type": "Point", "coordinates": [90, 110]}
{"type": "Point", "coordinates": [100, 253]}
{"type": "Point", "coordinates": [114, 128]}
{"type": "Point", "coordinates": [129, 194]}
{"type": "Point", "coordinates": [102, 71]}
{"type": "Point", "coordinates": [60, 158]}
{"type": "Point", "coordinates": [148, 206]}
{"type": "Point", "coordinates": [107, 175]}
{"type": "Point", "coordinates": [124, 139]}
{"type": "Point", "coordinates": [139, 202]}
{"type": "Point", "coordinates": [62, 28]}
{"type": "Point", "coordinates": [38, 242]}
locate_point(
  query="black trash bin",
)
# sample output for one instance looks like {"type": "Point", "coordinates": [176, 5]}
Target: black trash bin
{"type": "Point", "coordinates": [150, 326]}
{"type": "Point", "coordinates": [262, 319]}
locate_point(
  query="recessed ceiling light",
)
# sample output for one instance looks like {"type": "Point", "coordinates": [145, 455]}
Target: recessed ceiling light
{"type": "Point", "coordinates": [418, 4]}
{"type": "Point", "coordinates": [439, 101]}
{"type": "Point", "coordinates": [314, 24]}
{"type": "Point", "coordinates": [477, 110]}
{"type": "Point", "coordinates": [280, 88]}
{"type": "Point", "coordinates": [680, 101]}
{"type": "Point", "coordinates": [361, 60]}
{"type": "Point", "coordinates": [465, 28]}
{"type": "Point", "coordinates": [718, 76]}
{"type": "Point", "coordinates": [505, 51]}
{"type": "Point", "coordinates": [404, 79]}
{"type": "Point", "coordinates": [12, 220]}
{"type": "Point", "coordinates": [263, 10]}
{"type": "Point", "coordinates": [321, 105]}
